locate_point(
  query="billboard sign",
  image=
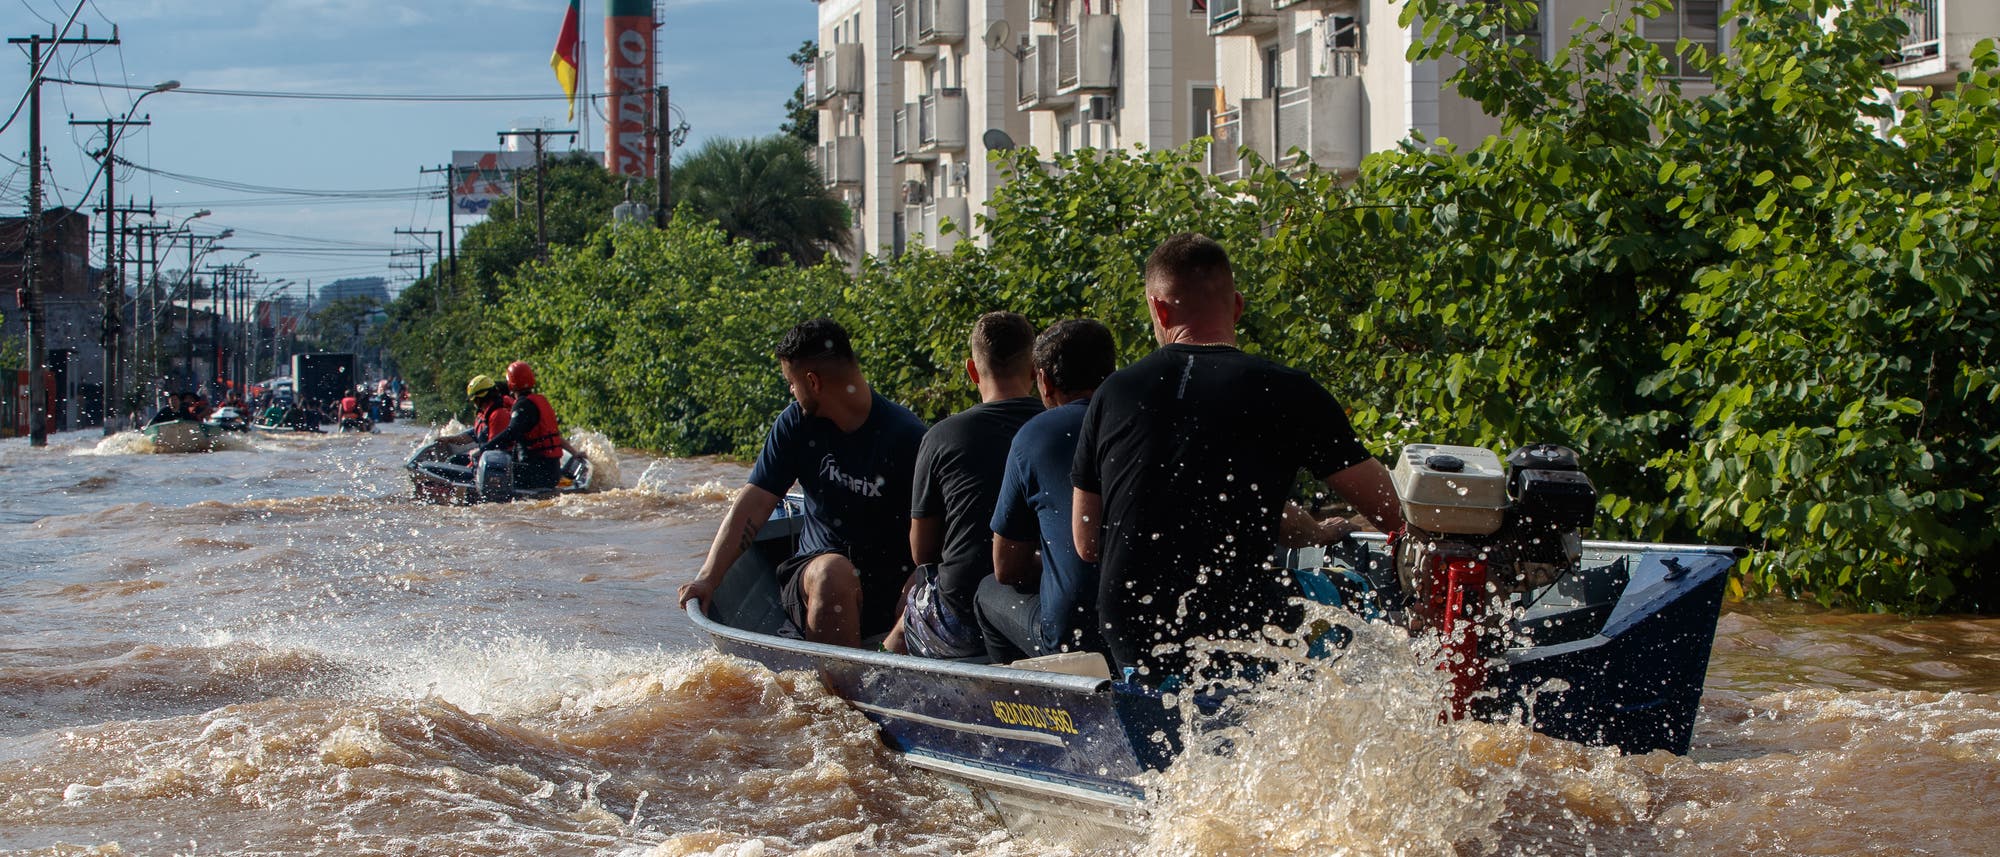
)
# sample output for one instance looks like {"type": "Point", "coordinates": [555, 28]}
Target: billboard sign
{"type": "Point", "coordinates": [628, 79]}
{"type": "Point", "coordinates": [480, 178]}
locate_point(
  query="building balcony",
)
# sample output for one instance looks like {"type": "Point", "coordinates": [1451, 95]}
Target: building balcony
{"type": "Point", "coordinates": [1313, 5]}
{"type": "Point", "coordinates": [925, 222]}
{"type": "Point", "coordinates": [1942, 36]}
{"type": "Point", "coordinates": [940, 22]}
{"type": "Point", "coordinates": [1322, 120]}
{"type": "Point", "coordinates": [842, 160]}
{"type": "Point", "coordinates": [942, 121]}
{"type": "Point", "coordinates": [903, 137]}
{"type": "Point", "coordinates": [1087, 58]}
{"type": "Point", "coordinates": [1035, 86]}
{"type": "Point", "coordinates": [1248, 125]}
{"type": "Point", "coordinates": [903, 41]}
{"type": "Point", "coordinates": [834, 74]}
{"type": "Point", "coordinates": [1242, 18]}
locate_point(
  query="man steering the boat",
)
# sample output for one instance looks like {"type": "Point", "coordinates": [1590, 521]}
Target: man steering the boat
{"type": "Point", "coordinates": [852, 452]}
{"type": "Point", "coordinates": [1184, 461]}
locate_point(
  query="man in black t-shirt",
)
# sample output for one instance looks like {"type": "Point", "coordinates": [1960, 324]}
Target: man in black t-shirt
{"type": "Point", "coordinates": [958, 475]}
{"type": "Point", "coordinates": [1183, 467]}
{"type": "Point", "coordinates": [851, 452]}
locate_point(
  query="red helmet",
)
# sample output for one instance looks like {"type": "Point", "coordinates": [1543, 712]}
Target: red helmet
{"type": "Point", "coordinates": [520, 376]}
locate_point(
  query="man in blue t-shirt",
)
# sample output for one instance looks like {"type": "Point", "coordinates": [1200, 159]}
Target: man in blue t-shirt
{"type": "Point", "coordinates": [852, 453]}
{"type": "Point", "coordinates": [1030, 608]}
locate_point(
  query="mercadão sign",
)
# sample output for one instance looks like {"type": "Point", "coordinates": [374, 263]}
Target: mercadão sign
{"type": "Point", "coordinates": [628, 80]}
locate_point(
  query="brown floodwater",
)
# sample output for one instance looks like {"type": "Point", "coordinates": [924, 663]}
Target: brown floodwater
{"type": "Point", "coordinates": [272, 650]}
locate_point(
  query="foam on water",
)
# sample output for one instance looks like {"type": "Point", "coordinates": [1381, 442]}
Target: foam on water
{"type": "Point", "coordinates": [122, 443]}
{"type": "Point", "coordinates": [603, 454]}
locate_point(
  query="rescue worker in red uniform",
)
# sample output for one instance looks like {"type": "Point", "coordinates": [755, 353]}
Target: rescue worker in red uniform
{"type": "Point", "coordinates": [532, 435]}
{"type": "Point", "coordinates": [491, 409]}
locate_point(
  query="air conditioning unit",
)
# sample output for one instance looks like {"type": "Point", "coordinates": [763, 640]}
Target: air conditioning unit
{"type": "Point", "coordinates": [915, 192]}
{"type": "Point", "coordinates": [1098, 108]}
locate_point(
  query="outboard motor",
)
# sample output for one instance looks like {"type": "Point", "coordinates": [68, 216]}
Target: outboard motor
{"type": "Point", "coordinates": [494, 478]}
{"type": "Point", "coordinates": [1476, 533]}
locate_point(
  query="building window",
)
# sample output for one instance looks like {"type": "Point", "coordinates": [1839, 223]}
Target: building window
{"type": "Point", "coordinates": [1272, 67]}
{"type": "Point", "coordinates": [1202, 110]}
{"type": "Point", "coordinates": [1198, 7]}
{"type": "Point", "coordinates": [1066, 136]}
{"type": "Point", "coordinates": [1697, 21]}
{"type": "Point", "coordinates": [1530, 32]}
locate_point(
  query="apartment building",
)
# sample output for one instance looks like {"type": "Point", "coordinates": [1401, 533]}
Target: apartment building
{"type": "Point", "coordinates": [1942, 35]}
{"type": "Point", "coordinates": [1330, 78]}
{"type": "Point", "coordinates": [914, 95]}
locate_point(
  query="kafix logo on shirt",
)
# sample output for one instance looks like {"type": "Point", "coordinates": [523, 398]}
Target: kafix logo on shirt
{"type": "Point", "coordinates": [830, 471]}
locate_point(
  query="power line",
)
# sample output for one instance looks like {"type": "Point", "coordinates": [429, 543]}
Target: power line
{"type": "Point", "coordinates": [246, 187]}
{"type": "Point", "coordinates": [329, 96]}
{"type": "Point", "coordinates": [38, 72]}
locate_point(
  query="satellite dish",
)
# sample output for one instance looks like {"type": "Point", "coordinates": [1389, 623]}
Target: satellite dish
{"type": "Point", "coordinates": [1000, 37]}
{"type": "Point", "coordinates": [996, 140]}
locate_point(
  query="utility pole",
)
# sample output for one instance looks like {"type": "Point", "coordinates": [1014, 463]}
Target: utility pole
{"type": "Point", "coordinates": [437, 284]}
{"type": "Point", "coordinates": [450, 218]}
{"type": "Point", "coordinates": [31, 297]}
{"type": "Point", "coordinates": [112, 328]}
{"type": "Point", "coordinates": [663, 149]}
{"type": "Point", "coordinates": [540, 136]}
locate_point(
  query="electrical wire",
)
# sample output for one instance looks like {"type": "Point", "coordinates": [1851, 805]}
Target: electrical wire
{"type": "Point", "coordinates": [37, 72]}
{"type": "Point", "coordinates": [331, 96]}
{"type": "Point", "coordinates": [308, 193]}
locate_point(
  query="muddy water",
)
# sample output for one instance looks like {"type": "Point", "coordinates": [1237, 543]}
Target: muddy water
{"type": "Point", "coordinates": [270, 650]}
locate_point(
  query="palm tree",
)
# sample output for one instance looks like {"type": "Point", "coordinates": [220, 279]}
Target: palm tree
{"type": "Point", "coordinates": [765, 190]}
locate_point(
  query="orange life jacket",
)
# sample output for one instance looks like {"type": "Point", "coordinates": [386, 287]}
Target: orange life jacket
{"type": "Point", "coordinates": [490, 422]}
{"type": "Point", "coordinates": [545, 439]}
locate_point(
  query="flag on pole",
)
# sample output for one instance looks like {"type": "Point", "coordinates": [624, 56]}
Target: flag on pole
{"type": "Point", "coordinates": [564, 60]}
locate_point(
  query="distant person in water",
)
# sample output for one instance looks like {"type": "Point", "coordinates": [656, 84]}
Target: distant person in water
{"type": "Point", "coordinates": [1184, 463]}
{"type": "Point", "coordinates": [852, 453]}
{"type": "Point", "coordinates": [175, 408]}
{"type": "Point", "coordinates": [957, 481]}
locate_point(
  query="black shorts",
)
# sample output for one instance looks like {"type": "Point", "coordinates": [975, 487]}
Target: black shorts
{"type": "Point", "coordinates": [881, 588]}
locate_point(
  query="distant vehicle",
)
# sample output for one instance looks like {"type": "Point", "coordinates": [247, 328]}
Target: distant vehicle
{"type": "Point", "coordinates": [324, 376]}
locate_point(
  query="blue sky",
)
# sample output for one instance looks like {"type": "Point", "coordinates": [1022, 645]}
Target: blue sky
{"type": "Point", "coordinates": [724, 59]}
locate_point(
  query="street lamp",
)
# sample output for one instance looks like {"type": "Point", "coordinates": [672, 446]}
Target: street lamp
{"type": "Point", "coordinates": [187, 357]}
{"type": "Point", "coordinates": [148, 358]}
{"type": "Point", "coordinates": [110, 328]}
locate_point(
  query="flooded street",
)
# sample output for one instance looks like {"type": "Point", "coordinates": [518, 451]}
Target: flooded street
{"type": "Point", "coordinates": [272, 650]}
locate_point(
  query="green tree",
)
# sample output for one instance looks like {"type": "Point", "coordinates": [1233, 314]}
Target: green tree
{"type": "Point", "coordinates": [339, 325]}
{"type": "Point", "coordinates": [764, 191]}
{"type": "Point", "coordinates": [801, 117]}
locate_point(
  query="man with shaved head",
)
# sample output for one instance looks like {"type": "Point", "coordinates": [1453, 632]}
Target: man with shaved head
{"type": "Point", "coordinates": [1184, 467]}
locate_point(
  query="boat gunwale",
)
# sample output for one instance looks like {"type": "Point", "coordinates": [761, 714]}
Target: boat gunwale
{"type": "Point", "coordinates": [697, 613]}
